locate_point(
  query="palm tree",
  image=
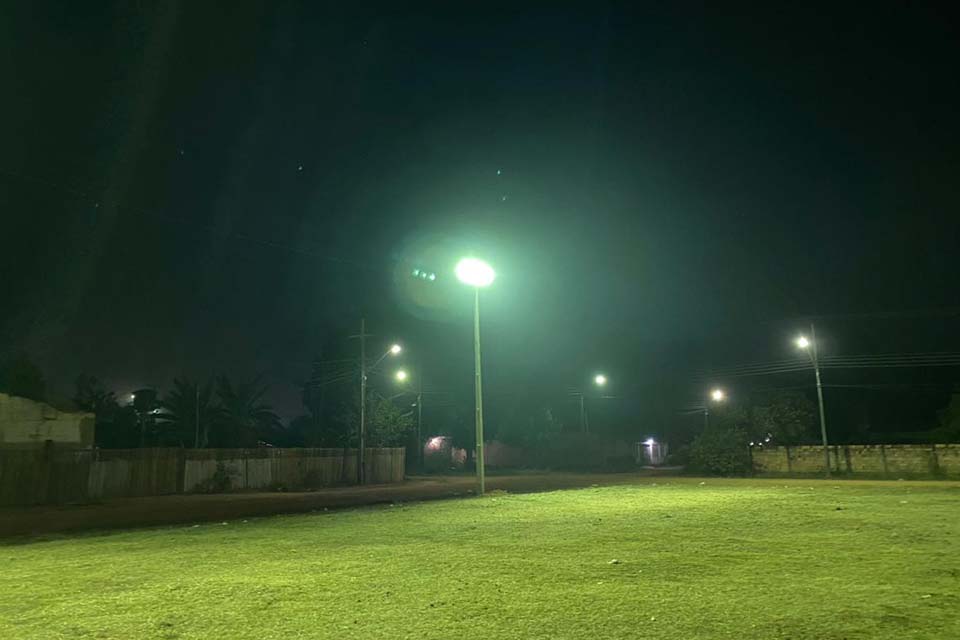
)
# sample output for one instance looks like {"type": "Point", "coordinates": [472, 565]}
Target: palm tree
{"type": "Point", "coordinates": [180, 409]}
{"type": "Point", "coordinates": [245, 418]}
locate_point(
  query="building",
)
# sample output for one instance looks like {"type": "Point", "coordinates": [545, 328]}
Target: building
{"type": "Point", "coordinates": [27, 424]}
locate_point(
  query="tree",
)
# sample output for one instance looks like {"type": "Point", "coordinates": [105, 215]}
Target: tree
{"type": "Point", "coordinates": [388, 425]}
{"type": "Point", "coordinates": [116, 426]}
{"type": "Point", "coordinates": [949, 419]}
{"type": "Point", "coordinates": [723, 448]}
{"type": "Point", "coordinates": [180, 409]}
{"type": "Point", "coordinates": [19, 376]}
{"type": "Point", "coordinates": [244, 418]}
{"type": "Point", "coordinates": [90, 395]}
{"type": "Point", "coordinates": [784, 417]}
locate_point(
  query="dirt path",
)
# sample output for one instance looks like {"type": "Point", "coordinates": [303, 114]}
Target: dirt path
{"type": "Point", "coordinates": [161, 510]}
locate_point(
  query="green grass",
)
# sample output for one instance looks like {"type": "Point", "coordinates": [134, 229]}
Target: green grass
{"type": "Point", "coordinates": [728, 559]}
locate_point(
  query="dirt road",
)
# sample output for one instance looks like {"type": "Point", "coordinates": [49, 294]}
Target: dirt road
{"type": "Point", "coordinates": [163, 510]}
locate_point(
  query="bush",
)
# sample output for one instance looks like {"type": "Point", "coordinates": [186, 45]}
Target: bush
{"type": "Point", "coordinates": [722, 452]}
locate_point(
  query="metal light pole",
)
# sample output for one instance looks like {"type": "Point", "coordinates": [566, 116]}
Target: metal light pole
{"type": "Point", "coordinates": [811, 347]}
{"type": "Point", "coordinates": [477, 274]}
{"type": "Point", "coordinates": [481, 470]}
{"type": "Point", "coordinates": [364, 369]}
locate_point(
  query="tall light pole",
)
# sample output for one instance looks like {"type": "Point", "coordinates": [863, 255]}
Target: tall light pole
{"type": "Point", "coordinates": [392, 351]}
{"type": "Point", "coordinates": [477, 274]}
{"type": "Point", "coordinates": [717, 395]}
{"type": "Point", "coordinates": [810, 346]}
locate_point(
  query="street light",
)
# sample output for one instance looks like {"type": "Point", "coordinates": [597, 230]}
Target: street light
{"type": "Point", "coordinates": [394, 349]}
{"type": "Point", "coordinates": [477, 274]}
{"type": "Point", "coordinates": [810, 346]}
{"type": "Point", "coordinates": [599, 380]}
{"type": "Point", "coordinates": [401, 375]}
{"type": "Point", "coordinates": [716, 395]}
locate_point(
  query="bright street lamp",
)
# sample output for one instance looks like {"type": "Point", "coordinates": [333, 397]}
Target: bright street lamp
{"type": "Point", "coordinates": [717, 395]}
{"type": "Point", "coordinates": [394, 349]}
{"type": "Point", "coordinates": [810, 346]}
{"type": "Point", "coordinates": [401, 375]}
{"type": "Point", "coordinates": [600, 380]}
{"type": "Point", "coordinates": [477, 274]}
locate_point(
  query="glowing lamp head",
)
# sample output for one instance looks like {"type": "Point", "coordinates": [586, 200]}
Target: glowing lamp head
{"type": "Point", "coordinates": [395, 349]}
{"type": "Point", "coordinates": [802, 342]}
{"type": "Point", "coordinates": [401, 375]}
{"type": "Point", "coordinates": [649, 442]}
{"type": "Point", "coordinates": [475, 273]}
{"type": "Point", "coordinates": [600, 380]}
{"type": "Point", "coordinates": [717, 395]}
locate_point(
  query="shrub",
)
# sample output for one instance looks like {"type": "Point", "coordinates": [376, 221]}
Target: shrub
{"type": "Point", "coordinates": [722, 452]}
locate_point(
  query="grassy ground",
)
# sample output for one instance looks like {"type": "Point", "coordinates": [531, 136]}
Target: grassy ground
{"type": "Point", "coordinates": [724, 559]}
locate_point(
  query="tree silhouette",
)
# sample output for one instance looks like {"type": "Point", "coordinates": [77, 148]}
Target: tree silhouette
{"type": "Point", "coordinates": [180, 409]}
{"type": "Point", "coordinates": [244, 418]}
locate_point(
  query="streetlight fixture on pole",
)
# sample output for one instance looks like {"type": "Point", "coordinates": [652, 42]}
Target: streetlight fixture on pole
{"type": "Point", "coordinates": [717, 395]}
{"type": "Point", "coordinates": [392, 351]}
{"type": "Point", "coordinates": [810, 346]}
{"type": "Point", "coordinates": [599, 380]}
{"type": "Point", "coordinates": [477, 274]}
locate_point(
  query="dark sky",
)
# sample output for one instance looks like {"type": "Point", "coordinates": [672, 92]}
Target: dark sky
{"type": "Point", "coordinates": [187, 188]}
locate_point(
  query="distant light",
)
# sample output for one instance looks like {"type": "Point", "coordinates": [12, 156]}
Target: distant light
{"type": "Point", "coordinates": [475, 273]}
{"type": "Point", "coordinates": [802, 342]}
{"type": "Point", "coordinates": [432, 277]}
{"type": "Point", "coordinates": [717, 395]}
{"type": "Point", "coordinates": [751, 444]}
{"type": "Point", "coordinates": [395, 349]}
{"type": "Point", "coordinates": [133, 397]}
{"type": "Point", "coordinates": [600, 379]}
{"type": "Point", "coordinates": [649, 442]}
{"type": "Point", "coordinates": [435, 443]}
{"type": "Point", "coordinates": [416, 273]}
{"type": "Point", "coordinates": [401, 375]}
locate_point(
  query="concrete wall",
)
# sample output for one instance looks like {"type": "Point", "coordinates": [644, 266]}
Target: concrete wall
{"type": "Point", "coordinates": [27, 424]}
{"type": "Point", "coordinates": [890, 460]}
{"type": "Point", "coordinates": [57, 476]}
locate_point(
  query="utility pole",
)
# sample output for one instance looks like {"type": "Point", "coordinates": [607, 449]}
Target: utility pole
{"type": "Point", "coordinates": [363, 400]}
{"type": "Point", "coordinates": [481, 472]}
{"type": "Point", "coordinates": [823, 421]}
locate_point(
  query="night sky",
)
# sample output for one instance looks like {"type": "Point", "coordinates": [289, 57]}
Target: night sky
{"type": "Point", "coordinates": [188, 189]}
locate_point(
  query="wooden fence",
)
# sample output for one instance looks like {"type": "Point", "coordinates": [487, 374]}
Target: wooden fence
{"type": "Point", "coordinates": [62, 476]}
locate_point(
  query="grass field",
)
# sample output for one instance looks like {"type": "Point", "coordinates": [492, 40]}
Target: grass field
{"type": "Point", "coordinates": [725, 559]}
